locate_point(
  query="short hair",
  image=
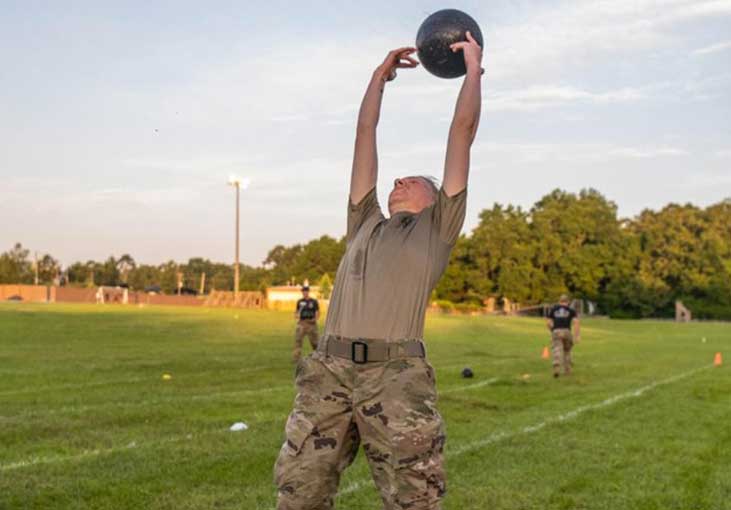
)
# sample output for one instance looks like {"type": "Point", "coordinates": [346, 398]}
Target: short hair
{"type": "Point", "coordinates": [563, 299]}
{"type": "Point", "coordinates": [432, 183]}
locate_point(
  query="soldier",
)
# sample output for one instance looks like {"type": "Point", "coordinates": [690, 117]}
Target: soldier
{"type": "Point", "coordinates": [306, 313]}
{"type": "Point", "coordinates": [559, 322]}
{"type": "Point", "coordinates": [369, 381]}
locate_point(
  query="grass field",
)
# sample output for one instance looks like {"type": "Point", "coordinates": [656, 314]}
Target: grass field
{"type": "Point", "coordinates": [86, 421]}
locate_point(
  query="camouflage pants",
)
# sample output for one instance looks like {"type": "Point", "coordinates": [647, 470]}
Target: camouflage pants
{"type": "Point", "coordinates": [390, 407]}
{"type": "Point", "coordinates": [561, 343]}
{"type": "Point", "coordinates": [304, 329]}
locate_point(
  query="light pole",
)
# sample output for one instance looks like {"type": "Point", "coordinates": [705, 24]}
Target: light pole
{"type": "Point", "coordinates": [238, 183]}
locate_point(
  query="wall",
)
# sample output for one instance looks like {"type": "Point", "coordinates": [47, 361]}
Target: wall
{"type": "Point", "coordinates": [29, 293]}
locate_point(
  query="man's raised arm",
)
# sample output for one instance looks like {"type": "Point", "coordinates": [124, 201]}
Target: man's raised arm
{"type": "Point", "coordinates": [466, 119]}
{"type": "Point", "coordinates": [365, 158]}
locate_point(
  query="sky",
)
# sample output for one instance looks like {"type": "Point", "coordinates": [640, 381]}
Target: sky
{"type": "Point", "coordinates": [121, 122]}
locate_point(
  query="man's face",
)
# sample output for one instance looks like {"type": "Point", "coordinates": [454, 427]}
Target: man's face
{"type": "Point", "coordinates": [305, 294]}
{"type": "Point", "coordinates": [410, 194]}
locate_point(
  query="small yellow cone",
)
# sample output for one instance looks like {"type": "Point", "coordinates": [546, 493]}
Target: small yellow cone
{"type": "Point", "coordinates": [166, 377]}
{"type": "Point", "coordinates": [718, 360]}
{"type": "Point", "coordinates": [545, 354]}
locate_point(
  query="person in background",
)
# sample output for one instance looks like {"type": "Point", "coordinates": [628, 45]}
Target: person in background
{"type": "Point", "coordinates": [306, 314]}
{"type": "Point", "coordinates": [560, 320]}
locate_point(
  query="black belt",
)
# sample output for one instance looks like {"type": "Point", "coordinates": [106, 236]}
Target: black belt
{"type": "Point", "coordinates": [366, 350]}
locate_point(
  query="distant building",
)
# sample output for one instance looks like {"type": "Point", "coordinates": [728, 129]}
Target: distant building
{"type": "Point", "coordinates": [285, 297]}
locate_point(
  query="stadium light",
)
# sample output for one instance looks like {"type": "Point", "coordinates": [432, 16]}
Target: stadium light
{"type": "Point", "coordinates": [241, 182]}
{"type": "Point", "coordinates": [238, 183]}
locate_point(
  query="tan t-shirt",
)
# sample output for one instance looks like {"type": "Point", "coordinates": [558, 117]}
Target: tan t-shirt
{"type": "Point", "coordinates": [390, 267]}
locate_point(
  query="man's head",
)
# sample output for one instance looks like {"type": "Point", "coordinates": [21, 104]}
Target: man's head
{"type": "Point", "coordinates": [412, 194]}
{"type": "Point", "coordinates": [564, 299]}
{"type": "Point", "coordinates": [305, 291]}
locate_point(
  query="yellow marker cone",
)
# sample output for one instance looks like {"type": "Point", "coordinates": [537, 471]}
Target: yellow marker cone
{"type": "Point", "coordinates": [718, 360]}
{"type": "Point", "coordinates": [166, 377]}
{"type": "Point", "coordinates": [545, 354]}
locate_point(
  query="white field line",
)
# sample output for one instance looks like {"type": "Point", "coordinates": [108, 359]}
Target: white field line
{"type": "Point", "coordinates": [92, 453]}
{"type": "Point", "coordinates": [469, 386]}
{"type": "Point", "coordinates": [359, 484]}
{"type": "Point", "coordinates": [570, 415]}
{"type": "Point", "coordinates": [34, 461]}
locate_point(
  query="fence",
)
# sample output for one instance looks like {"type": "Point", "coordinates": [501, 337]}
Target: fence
{"type": "Point", "coordinates": [111, 295]}
{"type": "Point", "coordinates": [33, 293]}
{"type": "Point", "coordinates": [247, 299]}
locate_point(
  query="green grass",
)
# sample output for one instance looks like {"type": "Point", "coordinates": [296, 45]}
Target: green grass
{"type": "Point", "coordinates": [86, 421]}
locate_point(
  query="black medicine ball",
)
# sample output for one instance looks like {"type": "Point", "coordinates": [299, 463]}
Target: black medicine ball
{"type": "Point", "coordinates": [437, 33]}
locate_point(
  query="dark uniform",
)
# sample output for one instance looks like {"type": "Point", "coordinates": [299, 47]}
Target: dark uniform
{"type": "Point", "coordinates": [307, 309]}
{"type": "Point", "coordinates": [561, 338]}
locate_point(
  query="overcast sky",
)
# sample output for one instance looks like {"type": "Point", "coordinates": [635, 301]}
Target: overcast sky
{"type": "Point", "coordinates": [119, 125]}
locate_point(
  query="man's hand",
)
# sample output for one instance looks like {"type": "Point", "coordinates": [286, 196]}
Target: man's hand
{"type": "Point", "coordinates": [472, 53]}
{"type": "Point", "coordinates": [399, 58]}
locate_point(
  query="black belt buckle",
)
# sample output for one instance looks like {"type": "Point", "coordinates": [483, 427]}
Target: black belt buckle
{"type": "Point", "coordinates": [353, 351]}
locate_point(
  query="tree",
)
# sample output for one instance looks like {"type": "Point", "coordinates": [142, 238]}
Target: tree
{"type": "Point", "coordinates": [251, 278]}
{"type": "Point", "coordinates": [462, 281]}
{"type": "Point", "coordinates": [305, 262]}
{"type": "Point", "coordinates": [168, 277]}
{"type": "Point", "coordinates": [143, 276]}
{"type": "Point", "coordinates": [76, 273]}
{"type": "Point", "coordinates": [577, 240]}
{"type": "Point", "coordinates": [566, 242]}
{"type": "Point", "coordinates": [683, 253]}
{"type": "Point", "coordinates": [48, 269]}
{"type": "Point", "coordinates": [15, 267]}
{"type": "Point", "coordinates": [125, 265]}
{"type": "Point", "coordinates": [281, 261]}
{"type": "Point", "coordinates": [502, 248]}
{"type": "Point", "coordinates": [108, 273]}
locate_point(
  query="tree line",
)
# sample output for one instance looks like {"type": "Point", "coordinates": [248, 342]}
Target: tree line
{"type": "Point", "coordinates": [566, 243]}
{"type": "Point", "coordinates": [315, 261]}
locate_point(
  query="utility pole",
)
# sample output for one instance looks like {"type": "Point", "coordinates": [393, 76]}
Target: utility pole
{"type": "Point", "coordinates": [236, 264]}
{"type": "Point", "coordinates": [36, 268]}
{"type": "Point", "coordinates": [238, 183]}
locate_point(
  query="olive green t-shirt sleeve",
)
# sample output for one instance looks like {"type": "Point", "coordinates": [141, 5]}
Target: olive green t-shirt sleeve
{"type": "Point", "coordinates": [449, 214]}
{"type": "Point", "coordinates": [359, 213]}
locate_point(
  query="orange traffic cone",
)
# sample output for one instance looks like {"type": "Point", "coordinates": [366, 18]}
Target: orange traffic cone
{"type": "Point", "coordinates": [718, 360]}
{"type": "Point", "coordinates": [545, 354]}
